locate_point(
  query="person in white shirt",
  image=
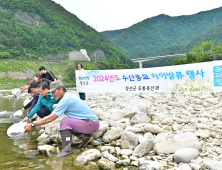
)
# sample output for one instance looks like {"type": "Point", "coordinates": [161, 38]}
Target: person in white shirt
{"type": "Point", "coordinates": [82, 96]}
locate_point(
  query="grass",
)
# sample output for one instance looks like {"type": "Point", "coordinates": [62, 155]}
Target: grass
{"type": "Point", "coordinates": [58, 68]}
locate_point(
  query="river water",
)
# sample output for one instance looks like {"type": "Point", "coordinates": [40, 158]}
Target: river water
{"type": "Point", "coordinates": [13, 153]}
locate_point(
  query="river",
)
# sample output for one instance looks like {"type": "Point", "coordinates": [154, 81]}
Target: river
{"type": "Point", "coordinates": [13, 153]}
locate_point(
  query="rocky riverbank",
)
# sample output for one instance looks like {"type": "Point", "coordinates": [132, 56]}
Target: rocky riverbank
{"type": "Point", "coordinates": [177, 131]}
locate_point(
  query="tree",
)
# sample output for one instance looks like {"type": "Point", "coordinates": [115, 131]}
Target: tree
{"type": "Point", "coordinates": [70, 72]}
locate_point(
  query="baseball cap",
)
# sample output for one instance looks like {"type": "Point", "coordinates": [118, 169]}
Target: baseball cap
{"type": "Point", "coordinates": [54, 85]}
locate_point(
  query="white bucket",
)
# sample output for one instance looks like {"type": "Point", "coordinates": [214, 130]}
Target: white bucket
{"type": "Point", "coordinates": [26, 101]}
{"type": "Point", "coordinates": [16, 92]}
{"type": "Point", "coordinates": [18, 113]}
{"type": "Point", "coordinates": [16, 131]}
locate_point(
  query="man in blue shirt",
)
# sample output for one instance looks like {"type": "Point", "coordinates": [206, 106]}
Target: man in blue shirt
{"type": "Point", "coordinates": [44, 106]}
{"type": "Point", "coordinates": [80, 121]}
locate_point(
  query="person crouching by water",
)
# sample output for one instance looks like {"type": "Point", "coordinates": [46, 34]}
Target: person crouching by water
{"type": "Point", "coordinates": [34, 100]}
{"type": "Point", "coordinates": [44, 106]}
{"type": "Point", "coordinates": [80, 121]}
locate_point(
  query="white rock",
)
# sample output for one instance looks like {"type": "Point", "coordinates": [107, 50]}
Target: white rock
{"type": "Point", "coordinates": [139, 118]}
{"type": "Point", "coordinates": [212, 100]}
{"type": "Point", "coordinates": [213, 165]}
{"type": "Point", "coordinates": [195, 166]}
{"type": "Point", "coordinates": [185, 155]}
{"type": "Point", "coordinates": [143, 148]}
{"type": "Point", "coordinates": [113, 134]}
{"type": "Point", "coordinates": [148, 136]}
{"type": "Point", "coordinates": [129, 140]}
{"type": "Point", "coordinates": [124, 162]}
{"type": "Point", "coordinates": [203, 133]}
{"type": "Point", "coordinates": [153, 128]}
{"type": "Point", "coordinates": [126, 152]}
{"type": "Point", "coordinates": [104, 148]}
{"type": "Point", "coordinates": [112, 123]}
{"type": "Point", "coordinates": [184, 167]}
{"type": "Point", "coordinates": [133, 129]}
{"type": "Point", "coordinates": [150, 165]}
{"type": "Point", "coordinates": [116, 114]}
{"type": "Point", "coordinates": [178, 120]}
{"type": "Point", "coordinates": [167, 121]}
{"type": "Point", "coordinates": [48, 150]}
{"type": "Point", "coordinates": [133, 158]}
{"type": "Point", "coordinates": [142, 139]}
{"type": "Point", "coordinates": [101, 114]}
{"type": "Point", "coordinates": [202, 126]}
{"type": "Point", "coordinates": [134, 163]}
{"type": "Point", "coordinates": [106, 164]}
{"type": "Point", "coordinates": [177, 127]}
{"type": "Point", "coordinates": [159, 116]}
{"type": "Point", "coordinates": [186, 112]}
{"type": "Point", "coordinates": [168, 143]}
{"type": "Point", "coordinates": [135, 106]}
{"type": "Point", "coordinates": [43, 138]}
{"type": "Point", "coordinates": [102, 129]}
{"type": "Point", "coordinates": [112, 158]}
{"type": "Point", "coordinates": [86, 156]}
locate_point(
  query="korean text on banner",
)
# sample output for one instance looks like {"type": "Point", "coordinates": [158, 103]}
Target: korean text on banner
{"type": "Point", "coordinates": [205, 76]}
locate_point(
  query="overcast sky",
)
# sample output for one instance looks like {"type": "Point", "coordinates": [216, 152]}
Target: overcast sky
{"type": "Point", "coordinates": [106, 15]}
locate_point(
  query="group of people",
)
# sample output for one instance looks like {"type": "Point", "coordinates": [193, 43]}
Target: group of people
{"type": "Point", "coordinates": [50, 101]}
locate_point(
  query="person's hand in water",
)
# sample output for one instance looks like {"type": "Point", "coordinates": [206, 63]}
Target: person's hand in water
{"type": "Point", "coordinates": [25, 119]}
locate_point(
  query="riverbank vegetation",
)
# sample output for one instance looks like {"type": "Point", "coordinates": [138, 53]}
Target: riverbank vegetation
{"type": "Point", "coordinates": [207, 51]}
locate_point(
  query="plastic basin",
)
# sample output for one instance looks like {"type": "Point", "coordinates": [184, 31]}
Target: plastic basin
{"type": "Point", "coordinates": [18, 113]}
{"type": "Point", "coordinates": [16, 131]}
{"type": "Point", "coordinates": [26, 101]}
{"type": "Point", "coordinates": [16, 92]}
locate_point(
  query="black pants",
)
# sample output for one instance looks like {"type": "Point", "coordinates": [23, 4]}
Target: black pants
{"type": "Point", "coordinates": [43, 112]}
{"type": "Point", "coordinates": [82, 96]}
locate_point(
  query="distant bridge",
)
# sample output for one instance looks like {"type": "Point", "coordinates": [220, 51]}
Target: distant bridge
{"type": "Point", "coordinates": [140, 60]}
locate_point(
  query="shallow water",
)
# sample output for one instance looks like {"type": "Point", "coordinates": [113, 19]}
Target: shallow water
{"type": "Point", "coordinates": [13, 152]}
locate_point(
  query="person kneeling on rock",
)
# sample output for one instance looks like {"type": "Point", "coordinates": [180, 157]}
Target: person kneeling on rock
{"type": "Point", "coordinates": [80, 121]}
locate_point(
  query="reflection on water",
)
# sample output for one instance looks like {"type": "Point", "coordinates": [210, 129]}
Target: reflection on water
{"type": "Point", "coordinates": [15, 154]}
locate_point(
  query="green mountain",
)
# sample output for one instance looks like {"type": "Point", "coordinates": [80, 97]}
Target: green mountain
{"type": "Point", "coordinates": [149, 37]}
{"type": "Point", "coordinates": [214, 34]}
{"type": "Point", "coordinates": [32, 29]}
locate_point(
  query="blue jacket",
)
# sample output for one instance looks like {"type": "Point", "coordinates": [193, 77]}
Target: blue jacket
{"type": "Point", "coordinates": [48, 102]}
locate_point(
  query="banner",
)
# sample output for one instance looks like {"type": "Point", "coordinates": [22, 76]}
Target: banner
{"type": "Point", "coordinates": [205, 76]}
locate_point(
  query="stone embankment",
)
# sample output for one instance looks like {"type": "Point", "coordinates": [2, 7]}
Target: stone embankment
{"type": "Point", "coordinates": [155, 131]}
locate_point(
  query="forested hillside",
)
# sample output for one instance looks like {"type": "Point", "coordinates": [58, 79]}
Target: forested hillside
{"type": "Point", "coordinates": [214, 34]}
{"type": "Point", "coordinates": [155, 36]}
{"type": "Point", "coordinates": [32, 29]}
